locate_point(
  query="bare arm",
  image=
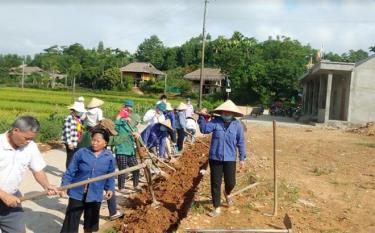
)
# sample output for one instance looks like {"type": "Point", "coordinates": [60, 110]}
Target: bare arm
{"type": "Point", "coordinates": [42, 179]}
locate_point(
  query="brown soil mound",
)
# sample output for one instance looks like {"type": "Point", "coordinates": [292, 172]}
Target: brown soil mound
{"type": "Point", "coordinates": [367, 129]}
{"type": "Point", "coordinates": [175, 195]}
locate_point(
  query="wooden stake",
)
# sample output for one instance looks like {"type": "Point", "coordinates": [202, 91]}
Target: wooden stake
{"type": "Point", "coordinates": [274, 170]}
{"type": "Point", "coordinates": [196, 138]}
{"type": "Point", "coordinates": [244, 189]}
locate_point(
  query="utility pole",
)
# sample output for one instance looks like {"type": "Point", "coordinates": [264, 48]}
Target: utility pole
{"type": "Point", "coordinates": [203, 44]}
{"type": "Point", "coordinates": [165, 84]}
{"type": "Point", "coordinates": [23, 73]}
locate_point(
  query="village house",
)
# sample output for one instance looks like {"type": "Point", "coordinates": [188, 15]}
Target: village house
{"type": "Point", "coordinates": [213, 80]}
{"type": "Point", "coordinates": [140, 72]}
{"type": "Point", "coordinates": [26, 71]}
{"type": "Point", "coordinates": [340, 91]}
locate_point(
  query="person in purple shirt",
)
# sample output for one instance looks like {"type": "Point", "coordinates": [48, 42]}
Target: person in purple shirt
{"type": "Point", "coordinates": [227, 137]}
{"type": "Point", "coordinates": [155, 136]}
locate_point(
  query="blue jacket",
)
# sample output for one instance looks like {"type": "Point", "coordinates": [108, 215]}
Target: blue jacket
{"type": "Point", "coordinates": [152, 136]}
{"type": "Point", "coordinates": [224, 142]}
{"type": "Point", "coordinates": [86, 165]}
{"type": "Point", "coordinates": [181, 120]}
{"type": "Point", "coordinates": [170, 116]}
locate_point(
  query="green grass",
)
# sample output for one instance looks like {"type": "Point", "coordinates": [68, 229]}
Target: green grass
{"type": "Point", "coordinates": [50, 106]}
{"type": "Point", "coordinates": [197, 208]}
{"type": "Point", "coordinates": [288, 192]}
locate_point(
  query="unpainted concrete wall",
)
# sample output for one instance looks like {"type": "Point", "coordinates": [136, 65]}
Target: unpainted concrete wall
{"type": "Point", "coordinates": [362, 108]}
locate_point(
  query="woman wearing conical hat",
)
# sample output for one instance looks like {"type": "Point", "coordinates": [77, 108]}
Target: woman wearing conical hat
{"type": "Point", "coordinates": [227, 136]}
{"type": "Point", "coordinates": [94, 113]}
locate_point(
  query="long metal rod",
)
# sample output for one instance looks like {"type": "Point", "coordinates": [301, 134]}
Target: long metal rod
{"type": "Point", "coordinates": [202, 62]}
{"type": "Point", "coordinates": [274, 170]}
{"type": "Point", "coordinates": [80, 183]}
{"type": "Point", "coordinates": [239, 230]}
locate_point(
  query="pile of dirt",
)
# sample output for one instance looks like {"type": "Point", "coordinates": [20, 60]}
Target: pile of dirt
{"type": "Point", "coordinates": [175, 195]}
{"type": "Point", "coordinates": [368, 129]}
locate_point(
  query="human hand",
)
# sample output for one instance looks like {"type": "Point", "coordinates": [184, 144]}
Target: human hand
{"type": "Point", "coordinates": [108, 194]}
{"type": "Point", "coordinates": [242, 165]}
{"type": "Point", "coordinates": [136, 135]}
{"type": "Point", "coordinates": [10, 200]}
{"type": "Point", "coordinates": [62, 193]}
{"type": "Point", "coordinates": [52, 190]}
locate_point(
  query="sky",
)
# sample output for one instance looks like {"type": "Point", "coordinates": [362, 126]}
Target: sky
{"type": "Point", "coordinates": [29, 26]}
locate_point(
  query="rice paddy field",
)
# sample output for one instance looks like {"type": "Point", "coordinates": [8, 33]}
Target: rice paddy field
{"type": "Point", "coordinates": [50, 106]}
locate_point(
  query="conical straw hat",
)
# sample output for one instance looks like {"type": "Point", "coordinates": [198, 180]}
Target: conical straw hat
{"type": "Point", "coordinates": [94, 103]}
{"type": "Point", "coordinates": [229, 106]}
{"type": "Point", "coordinates": [182, 106]}
{"type": "Point", "coordinates": [167, 123]}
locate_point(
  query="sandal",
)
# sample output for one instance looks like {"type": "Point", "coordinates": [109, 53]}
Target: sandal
{"type": "Point", "coordinates": [215, 212]}
{"type": "Point", "coordinates": [117, 215]}
{"type": "Point", "coordinates": [228, 199]}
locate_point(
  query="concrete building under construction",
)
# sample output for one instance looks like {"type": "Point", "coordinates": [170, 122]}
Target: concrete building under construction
{"type": "Point", "coordinates": [339, 91]}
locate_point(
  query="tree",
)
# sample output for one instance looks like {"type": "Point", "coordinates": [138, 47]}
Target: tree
{"type": "Point", "coordinates": [372, 49]}
{"type": "Point", "coordinates": [110, 79]}
{"type": "Point", "coordinates": [100, 47]}
{"type": "Point", "coordinates": [151, 50]}
{"type": "Point", "coordinates": [354, 56]}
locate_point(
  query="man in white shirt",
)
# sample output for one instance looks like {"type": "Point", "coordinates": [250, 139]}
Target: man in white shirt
{"type": "Point", "coordinates": [18, 152]}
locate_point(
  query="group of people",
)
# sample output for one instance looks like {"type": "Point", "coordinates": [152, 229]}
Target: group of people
{"type": "Point", "coordinates": [96, 145]}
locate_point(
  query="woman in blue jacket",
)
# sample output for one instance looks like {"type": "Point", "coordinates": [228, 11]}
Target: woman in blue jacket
{"type": "Point", "coordinates": [227, 136]}
{"type": "Point", "coordinates": [87, 163]}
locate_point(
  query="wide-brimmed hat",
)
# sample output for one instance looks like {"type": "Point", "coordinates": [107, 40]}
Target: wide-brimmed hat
{"type": "Point", "coordinates": [128, 103]}
{"type": "Point", "coordinates": [169, 107]}
{"type": "Point", "coordinates": [95, 102]}
{"type": "Point", "coordinates": [182, 106]}
{"type": "Point", "coordinates": [167, 123]}
{"type": "Point", "coordinates": [108, 125]}
{"type": "Point", "coordinates": [78, 107]}
{"type": "Point", "coordinates": [229, 106]}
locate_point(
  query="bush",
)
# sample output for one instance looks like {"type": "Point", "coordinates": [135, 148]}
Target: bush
{"type": "Point", "coordinates": [152, 86]}
{"type": "Point", "coordinates": [51, 127]}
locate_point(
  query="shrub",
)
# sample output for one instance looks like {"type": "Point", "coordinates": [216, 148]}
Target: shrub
{"type": "Point", "coordinates": [51, 127]}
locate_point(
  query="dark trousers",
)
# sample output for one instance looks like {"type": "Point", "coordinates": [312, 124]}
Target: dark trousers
{"type": "Point", "coordinates": [124, 161]}
{"type": "Point", "coordinates": [12, 218]}
{"type": "Point", "coordinates": [180, 139]}
{"type": "Point", "coordinates": [218, 168]}
{"type": "Point", "coordinates": [69, 155]}
{"type": "Point", "coordinates": [173, 135]}
{"type": "Point", "coordinates": [74, 212]}
{"type": "Point", "coordinates": [112, 205]}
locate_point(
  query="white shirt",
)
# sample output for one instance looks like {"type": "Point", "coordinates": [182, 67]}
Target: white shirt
{"type": "Point", "coordinates": [151, 117]}
{"type": "Point", "coordinates": [14, 163]}
{"type": "Point", "coordinates": [189, 110]}
{"type": "Point", "coordinates": [191, 124]}
{"type": "Point", "coordinates": [93, 116]}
